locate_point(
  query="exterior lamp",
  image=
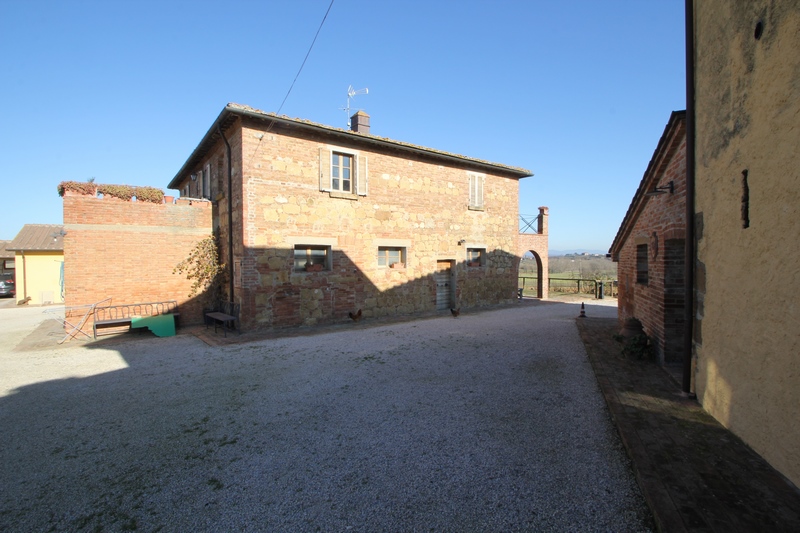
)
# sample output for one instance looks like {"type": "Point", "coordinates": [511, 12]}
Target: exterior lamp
{"type": "Point", "coordinates": [661, 190]}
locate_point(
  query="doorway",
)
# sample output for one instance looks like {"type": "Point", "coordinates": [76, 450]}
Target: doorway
{"type": "Point", "coordinates": [445, 285]}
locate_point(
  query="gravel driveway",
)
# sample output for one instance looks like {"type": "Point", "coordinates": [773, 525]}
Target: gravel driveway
{"type": "Point", "coordinates": [489, 422]}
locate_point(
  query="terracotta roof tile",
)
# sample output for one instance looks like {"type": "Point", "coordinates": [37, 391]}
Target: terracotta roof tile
{"type": "Point", "coordinates": [39, 238]}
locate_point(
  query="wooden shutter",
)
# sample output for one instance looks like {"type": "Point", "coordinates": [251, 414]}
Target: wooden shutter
{"type": "Point", "coordinates": [324, 169]}
{"type": "Point", "coordinates": [476, 190]}
{"type": "Point", "coordinates": [361, 175]}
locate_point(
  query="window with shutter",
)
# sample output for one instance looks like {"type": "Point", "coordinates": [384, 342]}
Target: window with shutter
{"type": "Point", "coordinates": [476, 182]}
{"type": "Point", "coordinates": [342, 173]}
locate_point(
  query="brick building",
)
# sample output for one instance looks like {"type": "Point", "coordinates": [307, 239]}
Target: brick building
{"type": "Point", "coordinates": [319, 221]}
{"type": "Point", "coordinates": [650, 243]}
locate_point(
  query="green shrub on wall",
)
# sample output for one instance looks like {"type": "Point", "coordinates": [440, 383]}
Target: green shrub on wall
{"type": "Point", "coordinates": [203, 267]}
{"type": "Point", "coordinates": [80, 187]}
{"type": "Point", "coordinates": [123, 192]}
{"type": "Point", "coordinates": [149, 194]}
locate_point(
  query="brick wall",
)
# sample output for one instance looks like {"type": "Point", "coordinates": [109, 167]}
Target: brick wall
{"type": "Point", "coordinates": [661, 225]}
{"type": "Point", "coordinates": [537, 244]}
{"type": "Point", "coordinates": [413, 202]}
{"type": "Point", "coordinates": [127, 251]}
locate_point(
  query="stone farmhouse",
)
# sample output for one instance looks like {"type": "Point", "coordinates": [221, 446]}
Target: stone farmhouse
{"type": "Point", "coordinates": [319, 222]}
{"type": "Point", "coordinates": [650, 247]}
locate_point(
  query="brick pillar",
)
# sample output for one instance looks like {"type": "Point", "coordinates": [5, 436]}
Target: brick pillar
{"type": "Point", "coordinates": [543, 215]}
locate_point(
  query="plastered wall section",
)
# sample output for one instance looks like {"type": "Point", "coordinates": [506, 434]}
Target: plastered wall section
{"type": "Point", "coordinates": [127, 251]}
{"type": "Point", "coordinates": [39, 277]}
{"type": "Point", "coordinates": [748, 119]}
{"type": "Point", "coordinates": [411, 203]}
{"type": "Point", "coordinates": [661, 225]}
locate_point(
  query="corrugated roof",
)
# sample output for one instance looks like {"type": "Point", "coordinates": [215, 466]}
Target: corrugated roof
{"type": "Point", "coordinates": [231, 111]}
{"type": "Point", "coordinates": [669, 142]}
{"type": "Point", "coordinates": [39, 238]}
{"type": "Point", "coordinates": [5, 253]}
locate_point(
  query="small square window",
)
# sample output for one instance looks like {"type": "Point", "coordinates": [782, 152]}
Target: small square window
{"type": "Point", "coordinates": [311, 258]}
{"type": "Point", "coordinates": [392, 257]}
{"type": "Point", "coordinates": [641, 264]}
{"type": "Point", "coordinates": [476, 257]}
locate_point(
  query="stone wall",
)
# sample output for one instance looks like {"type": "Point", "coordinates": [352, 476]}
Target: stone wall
{"type": "Point", "coordinates": [748, 222]}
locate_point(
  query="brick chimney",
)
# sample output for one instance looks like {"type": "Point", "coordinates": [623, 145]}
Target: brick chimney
{"type": "Point", "coordinates": [360, 122]}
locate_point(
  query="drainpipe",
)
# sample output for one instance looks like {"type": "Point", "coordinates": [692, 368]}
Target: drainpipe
{"type": "Point", "coordinates": [230, 211]}
{"type": "Point", "coordinates": [688, 297]}
{"type": "Point", "coordinates": [24, 278]}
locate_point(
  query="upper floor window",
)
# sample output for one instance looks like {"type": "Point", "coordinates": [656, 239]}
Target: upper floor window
{"type": "Point", "coordinates": [207, 181]}
{"type": "Point", "coordinates": [476, 182]}
{"type": "Point", "coordinates": [343, 172]}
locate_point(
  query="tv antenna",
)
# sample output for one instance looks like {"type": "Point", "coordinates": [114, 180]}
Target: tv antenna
{"type": "Point", "coordinates": [352, 93]}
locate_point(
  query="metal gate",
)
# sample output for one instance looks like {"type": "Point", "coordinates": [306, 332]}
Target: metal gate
{"type": "Point", "coordinates": [444, 285]}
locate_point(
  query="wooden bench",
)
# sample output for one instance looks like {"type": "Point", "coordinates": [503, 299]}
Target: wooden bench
{"type": "Point", "coordinates": [227, 317]}
{"type": "Point", "coordinates": [119, 316]}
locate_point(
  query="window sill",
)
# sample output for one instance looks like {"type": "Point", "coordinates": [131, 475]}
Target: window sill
{"type": "Point", "coordinates": [343, 195]}
{"type": "Point", "coordinates": [476, 208]}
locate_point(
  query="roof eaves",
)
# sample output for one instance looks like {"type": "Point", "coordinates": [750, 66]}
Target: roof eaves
{"type": "Point", "coordinates": [225, 119]}
{"type": "Point", "coordinates": [38, 238]}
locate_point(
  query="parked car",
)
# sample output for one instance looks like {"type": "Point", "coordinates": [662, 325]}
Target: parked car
{"type": "Point", "coordinates": [7, 287]}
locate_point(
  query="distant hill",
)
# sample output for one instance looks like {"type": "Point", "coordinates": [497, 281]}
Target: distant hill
{"type": "Point", "coordinates": [556, 253]}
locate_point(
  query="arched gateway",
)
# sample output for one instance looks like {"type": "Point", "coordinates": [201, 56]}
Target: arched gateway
{"type": "Point", "coordinates": [535, 240]}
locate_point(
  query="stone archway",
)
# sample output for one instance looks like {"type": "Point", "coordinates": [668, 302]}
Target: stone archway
{"type": "Point", "coordinates": [532, 255]}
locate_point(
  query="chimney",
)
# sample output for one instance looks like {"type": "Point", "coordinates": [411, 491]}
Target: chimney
{"type": "Point", "coordinates": [360, 122]}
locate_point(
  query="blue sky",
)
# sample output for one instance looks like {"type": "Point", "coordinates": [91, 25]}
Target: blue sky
{"type": "Point", "coordinates": [122, 91]}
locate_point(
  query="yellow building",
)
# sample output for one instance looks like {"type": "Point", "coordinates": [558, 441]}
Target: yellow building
{"type": "Point", "coordinates": [747, 222]}
{"type": "Point", "coordinates": [39, 263]}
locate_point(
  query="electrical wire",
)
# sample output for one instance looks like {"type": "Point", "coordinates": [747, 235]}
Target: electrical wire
{"type": "Point", "coordinates": [306, 58]}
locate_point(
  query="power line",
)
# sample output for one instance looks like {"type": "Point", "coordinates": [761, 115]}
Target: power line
{"type": "Point", "coordinates": [306, 58]}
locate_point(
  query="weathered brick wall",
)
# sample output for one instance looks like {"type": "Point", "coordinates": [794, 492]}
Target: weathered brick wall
{"type": "Point", "coordinates": [412, 203]}
{"type": "Point", "coordinates": [661, 225]}
{"type": "Point", "coordinates": [127, 251]}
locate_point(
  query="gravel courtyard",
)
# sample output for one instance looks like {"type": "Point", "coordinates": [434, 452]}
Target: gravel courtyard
{"type": "Point", "coordinates": [489, 422]}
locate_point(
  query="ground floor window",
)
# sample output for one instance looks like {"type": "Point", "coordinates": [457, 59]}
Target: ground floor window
{"type": "Point", "coordinates": [641, 264]}
{"type": "Point", "coordinates": [311, 257]}
{"type": "Point", "coordinates": [476, 257]}
{"type": "Point", "coordinates": [390, 256]}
